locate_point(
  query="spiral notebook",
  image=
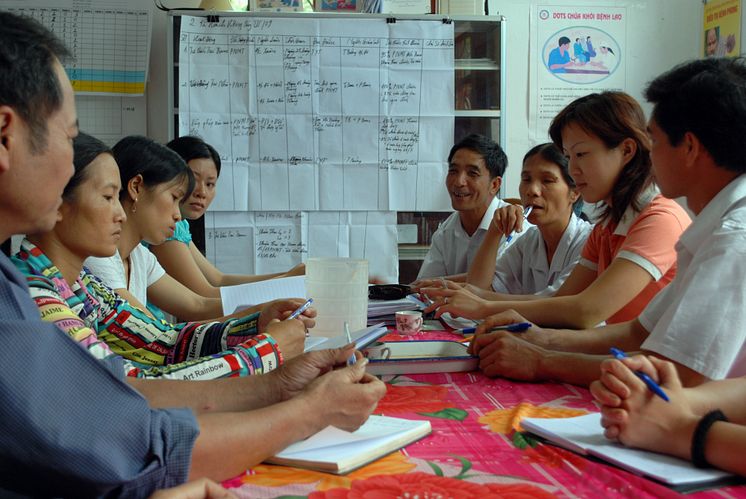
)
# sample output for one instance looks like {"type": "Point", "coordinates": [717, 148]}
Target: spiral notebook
{"type": "Point", "coordinates": [584, 435]}
{"type": "Point", "coordinates": [337, 451]}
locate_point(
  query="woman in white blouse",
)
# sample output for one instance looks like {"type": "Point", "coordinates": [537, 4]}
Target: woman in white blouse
{"type": "Point", "coordinates": [537, 263]}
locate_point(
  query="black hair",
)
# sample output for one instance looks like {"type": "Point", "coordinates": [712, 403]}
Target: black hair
{"type": "Point", "coordinates": [706, 97]}
{"type": "Point", "coordinates": [491, 152]}
{"type": "Point", "coordinates": [551, 153]}
{"type": "Point", "coordinates": [190, 147]}
{"type": "Point", "coordinates": [86, 148]}
{"type": "Point", "coordinates": [28, 82]}
{"type": "Point", "coordinates": [156, 163]}
{"type": "Point", "coordinates": [612, 117]}
{"type": "Point", "coordinates": [563, 40]}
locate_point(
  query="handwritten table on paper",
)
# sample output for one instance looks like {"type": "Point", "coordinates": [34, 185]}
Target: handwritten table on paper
{"type": "Point", "coordinates": [476, 449]}
{"type": "Point", "coordinates": [321, 114]}
{"type": "Point", "coordinates": [109, 41]}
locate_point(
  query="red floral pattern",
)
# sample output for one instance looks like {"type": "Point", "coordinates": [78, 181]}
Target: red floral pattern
{"type": "Point", "coordinates": [400, 399]}
{"type": "Point", "coordinates": [429, 486]}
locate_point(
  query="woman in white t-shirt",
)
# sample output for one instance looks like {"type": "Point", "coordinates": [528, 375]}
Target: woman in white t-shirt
{"type": "Point", "coordinates": [154, 182]}
{"type": "Point", "coordinates": [538, 262]}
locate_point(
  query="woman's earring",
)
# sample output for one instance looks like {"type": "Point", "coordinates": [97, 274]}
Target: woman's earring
{"type": "Point", "coordinates": [134, 206]}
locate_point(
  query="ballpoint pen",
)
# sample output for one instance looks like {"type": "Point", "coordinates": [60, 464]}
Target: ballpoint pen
{"type": "Point", "coordinates": [526, 212]}
{"type": "Point", "coordinates": [518, 327]}
{"type": "Point", "coordinates": [652, 385]}
{"type": "Point", "coordinates": [350, 361]}
{"type": "Point", "coordinates": [300, 309]}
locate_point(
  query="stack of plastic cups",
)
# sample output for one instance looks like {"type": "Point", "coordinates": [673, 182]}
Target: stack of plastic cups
{"type": "Point", "coordinates": [339, 288]}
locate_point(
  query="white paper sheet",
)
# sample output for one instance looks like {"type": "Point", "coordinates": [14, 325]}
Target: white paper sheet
{"type": "Point", "coordinates": [317, 114]}
{"type": "Point", "coordinates": [109, 40]}
{"type": "Point", "coordinates": [268, 242]}
{"type": "Point", "coordinates": [253, 293]}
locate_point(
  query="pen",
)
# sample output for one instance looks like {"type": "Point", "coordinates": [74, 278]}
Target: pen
{"type": "Point", "coordinates": [526, 212]}
{"type": "Point", "coordinates": [300, 309]}
{"type": "Point", "coordinates": [518, 327]}
{"type": "Point", "coordinates": [351, 361]}
{"type": "Point", "coordinates": [654, 387]}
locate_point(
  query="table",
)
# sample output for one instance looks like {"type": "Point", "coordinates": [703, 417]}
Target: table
{"type": "Point", "coordinates": [475, 449]}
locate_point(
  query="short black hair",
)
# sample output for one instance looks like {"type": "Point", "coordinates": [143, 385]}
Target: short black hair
{"type": "Point", "coordinates": [190, 147]}
{"type": "Point", "coordinates": [86, 148]}
{"type": "Point", "coordinates": [563, 41]}
{"type": "Point", "coordinates": [706, 97]}
{"type": "Point", "coordinates": [493, 155]}
{"type": "Point", "coordinates": [138, 155]}
{"type": "Point", "coordinates": [28, 82]}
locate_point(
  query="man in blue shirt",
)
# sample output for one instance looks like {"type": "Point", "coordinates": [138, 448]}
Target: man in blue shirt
{"type": "Point", "coordinates": [559, 57]}
{"type": "Point", "coordinates": [71, 426]}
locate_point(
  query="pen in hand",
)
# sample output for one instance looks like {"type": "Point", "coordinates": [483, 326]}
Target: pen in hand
{"type": "Point", "coordinates": [652, 385]}
{"type": "Point", "coordinates": [526, 212]}
{"type": "Point", "coordinates": [518, 327]}
{"type": "Point", "coordinates": [350, 361]}
{"type": "Point", "coordinates": [300, 309]}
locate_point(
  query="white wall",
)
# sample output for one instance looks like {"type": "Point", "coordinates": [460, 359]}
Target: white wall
{"type": "Point", "coordinates": [157, 91]}
{"type": "Point", "coordinates": [660, 34]}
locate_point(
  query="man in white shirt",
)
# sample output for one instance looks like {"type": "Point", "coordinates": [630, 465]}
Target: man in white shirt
{"type": "Point", "coordinates": [475, 169]}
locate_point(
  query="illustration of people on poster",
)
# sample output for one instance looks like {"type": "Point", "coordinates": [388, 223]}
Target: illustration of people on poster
{"type": "Point", "coordinates": [721, 28]}
{"type": "Point", "coordinates": [577, 50]}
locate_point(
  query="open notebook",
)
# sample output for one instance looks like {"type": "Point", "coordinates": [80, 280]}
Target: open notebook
{"type": "Point", "coordinates": [337, 451]}
{"type": "Point", "coordinates": [584, 435]}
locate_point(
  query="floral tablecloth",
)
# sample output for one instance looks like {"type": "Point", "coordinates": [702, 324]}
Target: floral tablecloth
{"type": "Point", "coordinates": [476, 449]}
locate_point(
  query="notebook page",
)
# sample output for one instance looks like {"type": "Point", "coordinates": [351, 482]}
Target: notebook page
{"type": "Point", "coordinates": [253, 293]}
{"type": "Point", "coordinates": [376, 427]}
{"type": "Point", "coordinates": [586, 433]}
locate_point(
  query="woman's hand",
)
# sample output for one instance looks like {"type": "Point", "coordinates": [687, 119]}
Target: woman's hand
{"type": "Point", "coordinates": [508, 219]}
{"type": "Point", "coordinates": [455, 300]}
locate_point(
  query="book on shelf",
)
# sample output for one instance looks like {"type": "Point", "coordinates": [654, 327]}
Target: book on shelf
{"type": "Point", "coordinates": [337, 451]}
{"type": "Point", "coordinates": [585, 435]}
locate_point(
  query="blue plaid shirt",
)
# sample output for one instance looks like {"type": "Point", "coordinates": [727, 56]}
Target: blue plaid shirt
{"type": "Point", "coordinates": [70, 425]}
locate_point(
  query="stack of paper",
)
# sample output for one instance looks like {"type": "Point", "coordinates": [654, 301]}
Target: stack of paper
{"type": "Point", "coordinates": [337, 451]}
{"type": "Point", "coordinates": [384, 310]}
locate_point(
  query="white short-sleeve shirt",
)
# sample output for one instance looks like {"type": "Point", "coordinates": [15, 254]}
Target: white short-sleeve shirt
{"type": "Point", "coordinates": [452, 249]}
{"type": "Point", "coordinates": [523, 268]}
{"type": "Point", "coordinates": [144, 271]}
{"type": "Point", "coordinates": [699, 319]}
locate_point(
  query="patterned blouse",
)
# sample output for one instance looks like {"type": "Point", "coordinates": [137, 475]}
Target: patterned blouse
{"type": "Point", "coordinates": [106, 324]}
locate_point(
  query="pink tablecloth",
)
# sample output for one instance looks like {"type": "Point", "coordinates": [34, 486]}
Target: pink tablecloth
{"type": "Point", "coordinates": [475, 450]}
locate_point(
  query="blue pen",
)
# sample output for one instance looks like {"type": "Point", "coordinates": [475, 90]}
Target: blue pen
{"type": "Point", "coordinates": [300, 309]}
{"type": "Point", "coordinates": [351, 361]}
{"type": "Point", "coordinates": [518, 327]}
{"type": "Point", "coordinates": [654, 387]}
{"type": "Point", "coordinates": [526, 212]}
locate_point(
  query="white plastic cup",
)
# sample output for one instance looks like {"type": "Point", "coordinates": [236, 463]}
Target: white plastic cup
{"type": "Point", "coordinates": [339, 288]}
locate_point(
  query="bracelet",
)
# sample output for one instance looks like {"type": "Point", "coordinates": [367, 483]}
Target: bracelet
{"type": "Point", "coordinates": [700, 433]}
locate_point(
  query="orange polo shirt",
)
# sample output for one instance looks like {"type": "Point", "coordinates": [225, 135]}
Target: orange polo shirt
{"type": "Point", "coordinates": [647, 238]}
